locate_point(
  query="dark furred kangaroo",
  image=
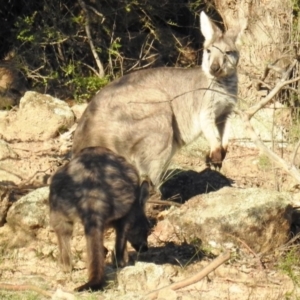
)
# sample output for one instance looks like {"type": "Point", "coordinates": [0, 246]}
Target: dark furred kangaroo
{"type": "Point", "coordinates": [102, 189]}
{"type": "Point", "coordinates": [148, 115]}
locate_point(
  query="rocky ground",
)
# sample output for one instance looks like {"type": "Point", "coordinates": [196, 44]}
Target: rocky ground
{"type": "Point", "coordinates": [263, 264]}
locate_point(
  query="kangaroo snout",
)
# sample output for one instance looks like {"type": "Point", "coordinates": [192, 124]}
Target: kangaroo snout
{"type": "Point", "coordinates": [215, 68]}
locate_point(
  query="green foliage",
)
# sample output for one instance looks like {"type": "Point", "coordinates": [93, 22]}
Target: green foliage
{"type": "Point", "coordinates": [294, 131]}
{"type": "Point", "coordinates": [264, 162]}
{"type": "Point", "coordinates": [8, 295]}
{"type": "Point", "coordinates": [85, 87]}
{"type": "Point", "coordinates": [290, 264]}
{"type": "Point", "coordinates": [53, 50]}
{"type": "Point", "coordinates": [296, 7]}
{"type": "Point", "coordinates": [25, 33]}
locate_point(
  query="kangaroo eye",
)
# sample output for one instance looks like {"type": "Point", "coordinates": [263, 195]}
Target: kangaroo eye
{"type": "Point", "coordinates": [229, 52]}
{"type": "Point", "coordinates": [208, 51]}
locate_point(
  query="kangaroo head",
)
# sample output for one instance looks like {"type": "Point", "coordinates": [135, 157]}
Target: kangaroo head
{"type": "Point", "coordinates": [220, 54]}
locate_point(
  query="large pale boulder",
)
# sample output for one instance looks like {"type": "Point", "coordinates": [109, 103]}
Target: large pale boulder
{"type": "Point", "coordinates": [260, 218]}
{"type": "Point", "coordinates": [30, 212]}
{"type": "Point", "coordinates": [39, 117]}
{"type": "Point", "coordinates": [26, 218]}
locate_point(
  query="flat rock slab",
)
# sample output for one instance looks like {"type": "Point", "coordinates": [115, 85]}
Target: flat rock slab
{"type": "Point", "coordinates": [260, 218]}
{"type": "Point", "coordinates": [31, 212]}
{"type": "Point", "coordinates": [145, 277]}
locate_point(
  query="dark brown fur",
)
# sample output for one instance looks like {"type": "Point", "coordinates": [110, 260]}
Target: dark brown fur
{"type": "Point", "coordinates": [102, 189]}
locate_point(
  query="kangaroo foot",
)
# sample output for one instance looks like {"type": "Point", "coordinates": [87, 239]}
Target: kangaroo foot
{"type": "Point", "coordinates": [215, 158]}
{"type": "Point", "coordinates": [91, 285]}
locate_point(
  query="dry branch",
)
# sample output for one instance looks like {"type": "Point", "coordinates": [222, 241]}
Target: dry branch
{"type": "Point", "coordinates": [255, 108]}
{"type": "Point", "coordinates": [193, 279]}
{"type": "Point", "coordinates": [249, 113]}
{"type": "Point", "coordinates": [280, 84]}
{"type": "Point", "coordinates": [24, 287]}
{"type": "Point", "coordinates": [295, 153]}
{"type": "Point", "coordinates": [89, 36]}
{"type": "Point", "coordinates": [290, 169]}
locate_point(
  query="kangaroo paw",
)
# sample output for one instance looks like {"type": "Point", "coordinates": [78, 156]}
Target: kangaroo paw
{"type": "Point", "coordinates": [215, 158]}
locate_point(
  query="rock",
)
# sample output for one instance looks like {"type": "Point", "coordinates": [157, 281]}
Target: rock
{"type": "Point", "coordinates": [31, 212]}
{"type": "Point", "coordinates": [18, 171]}
{"type": "Point", "coordinates": [6, 151]}
{"type": "Point", "coordinates": [167, 294]}
{"type": "Point", "coordinates": [145, 277]}
{"type": "Point", "coordinates": [260, 218]}
{"type": "Point", "coordinates": [78, 110]}
{"type": "Point", "coordinates": [61, 295]}
{"type": "Point", "coordinates": [7, 155]}
{"type": "Point", "coordinates": [39, 117]}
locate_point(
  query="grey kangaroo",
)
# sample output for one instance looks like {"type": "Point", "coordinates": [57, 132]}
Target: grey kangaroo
{"type": "Point", "coordinates": [102, 189]}
{"type": "Point", "coordinates": [148, 115]}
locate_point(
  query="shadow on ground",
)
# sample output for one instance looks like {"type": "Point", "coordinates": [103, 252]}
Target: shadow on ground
{"type": "Point", "coordinates": [181, 185]}
{"type": "Point", "coordinates": [170, 253]}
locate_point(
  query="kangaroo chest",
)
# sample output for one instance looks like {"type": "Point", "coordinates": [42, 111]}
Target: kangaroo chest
{"type": "Point", "coordinates": [222, 98]}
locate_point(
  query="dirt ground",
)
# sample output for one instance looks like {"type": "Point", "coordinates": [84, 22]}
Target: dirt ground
{"type": "Point", "coordinates": [245, 276]}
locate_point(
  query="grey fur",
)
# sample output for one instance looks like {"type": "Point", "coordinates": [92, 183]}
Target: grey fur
{"type": "Point", "coordinates": [148, 115]}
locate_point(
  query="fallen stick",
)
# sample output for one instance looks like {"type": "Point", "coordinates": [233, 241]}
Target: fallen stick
{"type": "Point", "coordinates": [24, 287]}
{"type": "Point", "coordinates": [193, 279]}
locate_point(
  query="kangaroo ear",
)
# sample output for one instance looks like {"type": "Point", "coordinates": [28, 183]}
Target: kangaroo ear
{"type": "Point", "coordinates": [144, 192]}
{"type": "Point", "coordinates": [236, 35]}
{"type": "Point", "coordinates": [209, 30]}
{"type": "Point", "coordinates": [237, 32]}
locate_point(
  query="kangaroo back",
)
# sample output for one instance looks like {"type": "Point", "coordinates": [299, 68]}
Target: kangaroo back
{"type": "Point", "coordinates": [148, 115]}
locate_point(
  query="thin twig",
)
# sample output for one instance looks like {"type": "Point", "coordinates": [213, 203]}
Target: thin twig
{"type": "Point", "coordinates": [55, 42]}
{"type": "Point", "coordinates": [90, 67]}
{"type": "Point", "coordinates": [249, 249]}
{"type": "Point", "coordinates": [295, 153]}
{"type": "Point", "coordinates": [280, 84]}
{"type": "Point", "coordinates": [249, 113]}
{"type": "Point", "coordinates": [99, 14]}
{"type": "Point", "coordinates": [193, 279]}
{"type": "Point", "coordinates": [292, 170]}
{"type": "Point", "coordinates": [255, 108]}
{"type": "Point", "coordinates": [89, 36]}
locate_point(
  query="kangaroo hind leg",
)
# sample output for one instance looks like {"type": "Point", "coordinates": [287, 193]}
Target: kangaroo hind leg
{"type": "Point", "coordinates": [96, 253]}
{"type": "Point", "coordinates": [63, 229]}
